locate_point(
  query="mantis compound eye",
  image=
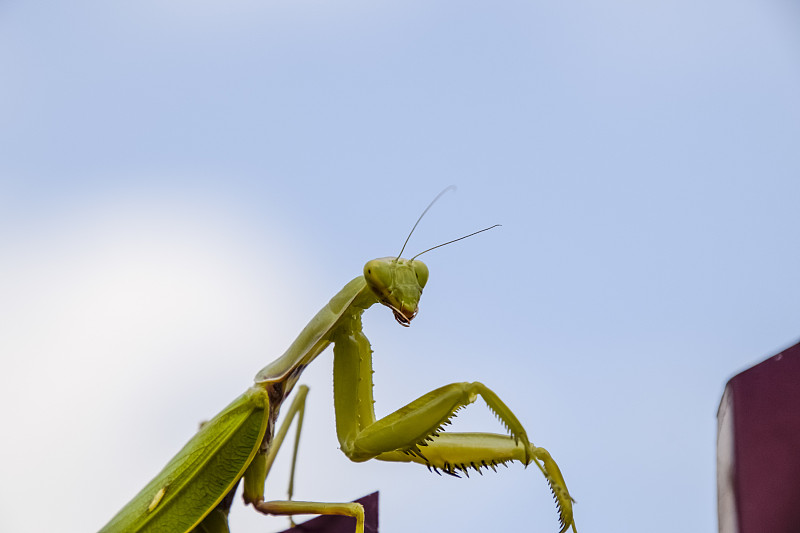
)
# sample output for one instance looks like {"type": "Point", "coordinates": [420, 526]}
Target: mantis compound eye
{"type": "Point", "coordinates": [421, 271]}
{"type": "Point", "coordinates": [378, 274]}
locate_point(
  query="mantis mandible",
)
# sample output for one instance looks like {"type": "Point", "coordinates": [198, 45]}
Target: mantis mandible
{"type": "Point", "coordinates": [195, 489]}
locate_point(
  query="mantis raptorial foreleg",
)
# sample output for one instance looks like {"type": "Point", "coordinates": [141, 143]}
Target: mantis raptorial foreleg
{"type": "Point", "coordinates": [421, 421]}
{"type": "Point", "coordinates": [194, 491]}
{"type": "Point", "coordinates": [416, 432]}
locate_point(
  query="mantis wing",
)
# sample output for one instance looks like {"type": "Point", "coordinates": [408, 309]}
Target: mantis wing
{"type": "Point", "coordinates": [201, 474]}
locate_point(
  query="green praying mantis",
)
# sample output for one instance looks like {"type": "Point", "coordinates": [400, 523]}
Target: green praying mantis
{"type": "Point", "coordinates": [195, 489]}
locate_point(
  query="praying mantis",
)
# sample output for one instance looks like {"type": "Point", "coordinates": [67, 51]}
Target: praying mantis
{"type": "Point", "coordinates": [195, 489]}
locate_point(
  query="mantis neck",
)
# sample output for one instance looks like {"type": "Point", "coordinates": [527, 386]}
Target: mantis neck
{"type": "Point", "coordinates": [353, 299]}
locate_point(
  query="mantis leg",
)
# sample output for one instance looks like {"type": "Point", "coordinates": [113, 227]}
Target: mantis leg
{"type": "Point", "coordinates": [416, 432]}
{"type": "Point", "coordinates": [256, 474]}
{"type": "Point", "coordinates": [255, 477]}
{"type": "Point", "coordinates": [355, 510]}
{"type": "Point", "coordinates": [217, 520]}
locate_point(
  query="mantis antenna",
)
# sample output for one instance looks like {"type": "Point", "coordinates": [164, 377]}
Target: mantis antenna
{"type": "Point", "coordinates": [454, 240]}
{"type": "Point", "coordinates": [453, 187]}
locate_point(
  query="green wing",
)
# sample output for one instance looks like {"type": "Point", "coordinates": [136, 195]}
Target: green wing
{"type": "Point", "coordinates": [201, 474]}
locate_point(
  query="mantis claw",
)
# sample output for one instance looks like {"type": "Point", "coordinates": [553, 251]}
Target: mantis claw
{"type": "Point", "coordinates": [558, 488]}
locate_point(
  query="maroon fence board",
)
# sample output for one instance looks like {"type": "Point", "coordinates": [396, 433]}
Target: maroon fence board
{"type": "Point", "coordinates": [759, 448]}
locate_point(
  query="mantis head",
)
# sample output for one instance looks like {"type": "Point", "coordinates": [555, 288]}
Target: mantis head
{"type": "Point", "coordinates": [398, 284]}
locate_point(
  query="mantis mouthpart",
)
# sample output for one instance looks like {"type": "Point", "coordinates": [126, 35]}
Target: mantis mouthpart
{"type": "Point", "coordinates": [195, 489]}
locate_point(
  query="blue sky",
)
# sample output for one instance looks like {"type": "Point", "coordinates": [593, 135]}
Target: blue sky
{"type": "Point", "coordinates": [183, 185]}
